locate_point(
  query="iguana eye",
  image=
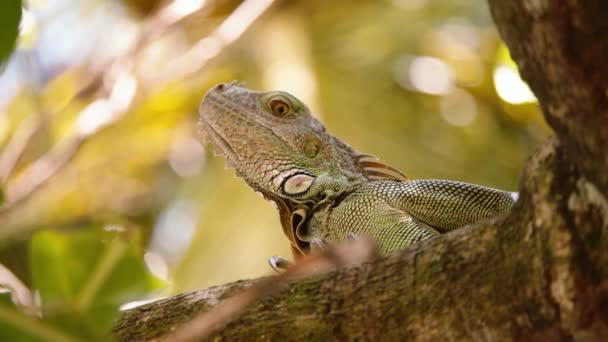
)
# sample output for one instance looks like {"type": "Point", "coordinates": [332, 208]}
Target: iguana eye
{"type": "Point", "coordinates": [279, 108]}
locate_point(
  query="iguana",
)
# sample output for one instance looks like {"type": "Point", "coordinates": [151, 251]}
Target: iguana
{"type": "Point", "coordinates": [324, 189]}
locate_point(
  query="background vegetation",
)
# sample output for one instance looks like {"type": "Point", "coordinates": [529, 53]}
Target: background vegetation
{"type": "Point", "coordinates": [110, 197]}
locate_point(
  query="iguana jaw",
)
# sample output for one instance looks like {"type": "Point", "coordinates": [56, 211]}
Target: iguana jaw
{"type": "Point", "coordinates": [211, 136]}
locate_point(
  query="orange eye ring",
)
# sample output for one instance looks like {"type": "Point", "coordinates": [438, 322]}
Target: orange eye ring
{"type": "Point", "coordinates": [280, 108]}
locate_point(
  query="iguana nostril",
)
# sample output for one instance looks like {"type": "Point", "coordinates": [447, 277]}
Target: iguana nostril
{"type": "Point", "coordinates": [219, 87]}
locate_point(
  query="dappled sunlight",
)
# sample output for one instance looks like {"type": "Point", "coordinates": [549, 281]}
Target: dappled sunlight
{"type": "Point", "coordinates": [181, 8]}
{"type": "Point", "coordinates": [410, 4]}
{"type": "Point", "coordinates": [95, 116]}
{"type": "Point", "coordinates": [430, 75]}
{"type": "Point", "coordinates": [174, 230]}
{"type": "Point", "coordinates": [187, 157]}
{"type": "Point", "coordinates": [291, 69]}
{"type": "Point", "coordinates": [225, 34]}
{"type": "Point", "coordinates": [510, 87]}
{"type": "Point", "coordinates": [157, 264]}
{"type": "Point", "coordinates": [28, 28]}
{"type": "Point", "coordinates": [458, 107]}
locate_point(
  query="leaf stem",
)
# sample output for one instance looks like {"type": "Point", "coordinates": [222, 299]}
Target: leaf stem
{"type": "Point", "coordinates": [112, 255]}
{"type": "Point", "coordinates": [32, 326]}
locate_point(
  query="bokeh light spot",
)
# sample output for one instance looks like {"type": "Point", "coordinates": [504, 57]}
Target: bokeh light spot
{"type": "Point", "coordinates": [157, 264]}
{"type": "Point", "coordinates": [173, 231]}
{"type": "Point", "coordinates": [28, 29]}
{"type": "Point", "coordinates": [187, 157]}
{"type": "Point", "coordinates": [430, 75]}
{"type": "Point", "coordinates": [184, 7]}
{"type": "Point", "coordinates": [458, 108]}
{"type": "Point", "coordinates": [94, 116]}
{"type": "Point", "coordinates": [123, 91]}
{"type": "Point", "coordinates": [510, 87]}
{"type": "Point", "coordinates": [410, 4]}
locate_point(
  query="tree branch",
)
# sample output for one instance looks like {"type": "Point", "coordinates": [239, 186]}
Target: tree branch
{"type": "Point", "coordinates": [503, 280]}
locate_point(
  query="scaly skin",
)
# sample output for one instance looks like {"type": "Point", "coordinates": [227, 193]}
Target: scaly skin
{"type": "Point", "coordinates": [324, 189]}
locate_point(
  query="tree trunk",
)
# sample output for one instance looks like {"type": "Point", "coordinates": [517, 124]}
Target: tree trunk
{"type": "Point", "coordinates": [540, 274]}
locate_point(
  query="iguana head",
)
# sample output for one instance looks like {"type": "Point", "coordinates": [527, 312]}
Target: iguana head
{"type": "Point", "coordinates": [275, 144]}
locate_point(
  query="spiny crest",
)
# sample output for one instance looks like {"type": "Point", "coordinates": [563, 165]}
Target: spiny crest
{"type": "Point", "coordinates": [236, 83]}
{"type": "Point", "coordinates": [373, 169]}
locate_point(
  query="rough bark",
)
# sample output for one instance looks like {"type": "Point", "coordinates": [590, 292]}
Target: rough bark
{"type": "Point", "coordinates": [539, 274]}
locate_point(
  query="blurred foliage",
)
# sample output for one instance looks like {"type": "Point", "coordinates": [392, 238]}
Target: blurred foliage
{"type": "Point", "coordinates": [426, 85]}
{"type": "Point", "coordinates": [82, 277]}
{"type": "Point", "coordinates": [10, 16]}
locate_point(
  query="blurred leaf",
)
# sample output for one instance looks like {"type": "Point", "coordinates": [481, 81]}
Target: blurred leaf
{"type": "Point", "coordinates": [10, 329]}
{"type": "Point", "coordinates": [6, 296]}
{"type": "Point", "coordinates": [16, 326]}
{"type": "Point", "coordinates": [503, 57]}
{"type": "Point", "coordinates": [84, 276]}
{"type": "Point", "coordinates": [10, 16]}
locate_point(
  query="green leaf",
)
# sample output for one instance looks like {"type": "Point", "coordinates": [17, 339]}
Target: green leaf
{"type": "Point", "coordinates": [6, 297]}
{"type": "Point", "coordinates": [503, 57]}
{"type": "Point", "coordinates": [9, 330]}
{"type": "Point", "coordinates": [84, 276]}
{"type": "Point", "coordinates": [10, 16]}
{"type": "Point", "coordinates": [16, 326]}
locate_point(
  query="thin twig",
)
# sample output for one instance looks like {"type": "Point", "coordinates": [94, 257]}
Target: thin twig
{"type": "Point", "coordinates": [18, 144]}
{"type": "Point", "coordinates": [39, 173]}
{"type": "Point", "coordinates": [223, 36]}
